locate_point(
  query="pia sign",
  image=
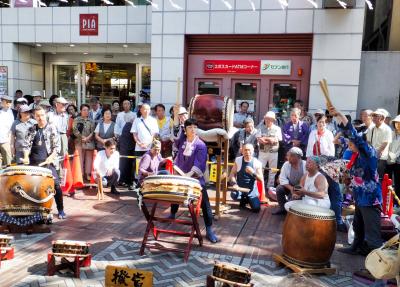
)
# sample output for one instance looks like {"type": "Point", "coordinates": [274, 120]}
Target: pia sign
{"type": "Point", "coordinates": [88, 24]}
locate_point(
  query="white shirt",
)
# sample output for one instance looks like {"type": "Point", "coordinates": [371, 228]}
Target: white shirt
{"type": "Point", "coordinates": [102, 163]}
{"type": "Point", "coordinates": [240, 117]}
{"type": "Point", "coordinates": [6, 120]}
{"type": "Point", "coordinates": [326, 143]}
{"type": "Point", "coordinates": [144, 135]}
{"type": "Point", "coordinates": [285, 172]}
{"type": "Point", "coordinates": [122, 119]}
{"type": "Point", "coordinates": [60, 121]}
{"type": "Point", "coordinates": [377, 136]}
{"type": "Point", "coordinates": [106, 127]}
{"type": "Point", "coordinates": [309, 185]}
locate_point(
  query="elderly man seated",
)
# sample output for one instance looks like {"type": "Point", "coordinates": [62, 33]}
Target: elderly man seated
{"type": "Point", "coordinates": [246, 170]}
{"type": "Point", "coordinates": [313, 189]}
{"type": "Point", "coordinates": [106, 165]}
{"type": "Point", "coordinates": [151, 161]}
{"type": "Point", "coordinates": [291, 173]}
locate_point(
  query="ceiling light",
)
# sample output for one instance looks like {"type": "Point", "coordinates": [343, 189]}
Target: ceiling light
{"type": "Point", "coordinates": [176, 6]}
{"type": "Point", "coordinates": [155, 6]}
{"type": "Point", "coordinates": [312, 2]}
{"type": "Point", "coordinates": [130, 3]}
{"type": "Point", "coordinates": [125, 45]}
{"type": "Point", "coordinates": [343, 4]}
{"type": "Point", "coordinates": [53, 53]}
{"type": "Point", "coordinates": [85, 53]}
{"type": "Point", "coordinates": [136, 54]}
{"type": "Point", "coordinates": [71, 45]}
{"type": "Point", "coordinates": [227, 4]}
{"type": "Point", "coordinates": [206, 1]}
{"type": "Point", "coordinates": [283, 3]}
{"type": "Point", "coordinates": [86, 1]}
{"type": "Point", "coordinates": [370, 7]}
{"type": "Point", "coordinates": [252, 5]}
{"type": "Point", "coordinates": [38, 45]}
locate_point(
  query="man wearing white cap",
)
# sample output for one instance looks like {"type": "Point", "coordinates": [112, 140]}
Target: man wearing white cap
{"type": "Point", "coordinates": [37, 96]}
{"type": "Point", "coordinates": [19, 130]}
{"type": "Point", "coordinates": [269, 135]}
{"type": "Point", "coordinates": [59, 118]}
{"type": "Point", "coordinates": [6, 120]}
{"type": "Point", "coordinates": [380, 138]}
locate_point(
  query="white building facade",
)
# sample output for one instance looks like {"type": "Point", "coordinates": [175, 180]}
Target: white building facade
{"type": "Point", "coordinates": [36, 42]}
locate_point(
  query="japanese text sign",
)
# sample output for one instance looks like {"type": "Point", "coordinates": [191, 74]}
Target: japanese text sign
{"type": "Point", "coordinates": [276, 67]}
{"type": "Point", "coordinates": [232, 67]}
{"type": "Point", "coordinates": [117, 276]}
{"type": "Point", "coordinates": [88, 24]}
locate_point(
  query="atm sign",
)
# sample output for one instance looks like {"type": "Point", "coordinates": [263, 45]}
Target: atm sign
{"type": "Point", "coordinates": [88, 24]}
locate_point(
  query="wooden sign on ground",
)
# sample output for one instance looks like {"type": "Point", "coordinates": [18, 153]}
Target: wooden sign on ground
{"type": "Point", "coordinates": [117, 276]}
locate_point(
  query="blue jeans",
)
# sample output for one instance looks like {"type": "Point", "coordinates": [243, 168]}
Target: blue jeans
{"type": "Point", "coordinates": [336, 198]}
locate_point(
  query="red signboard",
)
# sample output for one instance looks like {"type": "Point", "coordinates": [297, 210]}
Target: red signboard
{"type": "Point", "coordinates": [232, 67]}
{"type": "Point", "coordinates": [88, 24]}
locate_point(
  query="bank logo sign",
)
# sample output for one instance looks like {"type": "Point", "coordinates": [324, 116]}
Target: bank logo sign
{"type": "Point", "coordinates": [276, 67]}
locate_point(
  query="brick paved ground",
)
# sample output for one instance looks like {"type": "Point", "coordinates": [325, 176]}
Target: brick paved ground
{"type": "Point", "coordinates": [115, 228]}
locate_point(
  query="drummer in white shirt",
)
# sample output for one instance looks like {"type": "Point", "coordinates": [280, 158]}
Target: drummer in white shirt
{"type": "Point", "coordinates": [144, 130]}
{"type": "Point", "coordinates": [106, 165]}
{"type": "Point", "coordinates": [314, 186]}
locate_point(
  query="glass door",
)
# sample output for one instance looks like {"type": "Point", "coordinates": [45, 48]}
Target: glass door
{"type": "Point", "coordinates": [66, 82]}
{"type": "Point", "coordinates": [247, 91]}
{"type": "Point", "coordinates": [208, 86]}
{"type": "Point", "coordinates": [283, 95]}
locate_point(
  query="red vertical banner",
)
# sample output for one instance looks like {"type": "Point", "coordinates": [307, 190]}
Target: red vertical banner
{"type": "Point", "coordinates": [88, 24]}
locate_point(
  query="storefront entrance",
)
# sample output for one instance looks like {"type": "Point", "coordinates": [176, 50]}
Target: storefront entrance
{"type": "Point", "coordinates": [108, 81]}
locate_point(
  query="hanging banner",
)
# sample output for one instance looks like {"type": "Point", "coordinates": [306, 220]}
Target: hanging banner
{"type": "Point", "coordinates": [232, 67]}
{"type": "Point", "coordinates": [3, 80]}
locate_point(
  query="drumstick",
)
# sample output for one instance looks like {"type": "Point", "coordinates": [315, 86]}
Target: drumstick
{"type": "Point", "coordinates": [179, 171]}
{"type": "Point", "coordinates": [238, 188]}
{"type": "Point", "coordinates": [43, 163]}
{"type": "Point", "coordinates": [324, 87]}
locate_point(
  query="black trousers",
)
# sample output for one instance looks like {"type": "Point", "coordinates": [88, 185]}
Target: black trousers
{"type": "Point", "coordinates": [112, 180]}
{"type": "Point", "coordinates": [205, 207]}
{"type": "Point", "coordinates": [126, 167]}
{"type": "Point", "coordinates": [58, 197]}
{"type": "Point", "coordinates": [367, 226]}
{"type": "Point", "coordinates": [381, 168]}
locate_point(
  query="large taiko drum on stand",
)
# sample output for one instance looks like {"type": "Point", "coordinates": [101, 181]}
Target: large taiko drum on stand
{"type": "Point", "coordinates": [309, 235]}
{"type": "Point", "coordinates": [212, 112]}
{"type": "Point", "coordinates": [26, 190]}
{"type": "Point", "coordinates": [171, 188]}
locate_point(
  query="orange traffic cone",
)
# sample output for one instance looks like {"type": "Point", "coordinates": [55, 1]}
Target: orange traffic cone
{"type": "Point", "coordinates": [92, 177]}
{"type": "Point", "coordinates": [67, 180]}
{"type": "Point", "coordinates": [77, 171]}
{"type": "Point", "coordinates": [261, 191]}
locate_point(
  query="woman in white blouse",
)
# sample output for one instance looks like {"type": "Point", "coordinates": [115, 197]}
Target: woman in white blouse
{"type": "Point", "coordinates": [393, 162]}
{"type": "Point", "coordinates": [320, 140]}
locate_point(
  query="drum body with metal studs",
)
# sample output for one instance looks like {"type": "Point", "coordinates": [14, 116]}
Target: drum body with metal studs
{"type": "Point", "coordinates": [212, 112]}
{"type": "Point", "coordinates": [309, 235]}
{"type": "Point", "coordinates": [70, 247]}
{"type": "Point", "coordinates": [171, 188]}
{"type": "Point", "coordinates": [26, 190]}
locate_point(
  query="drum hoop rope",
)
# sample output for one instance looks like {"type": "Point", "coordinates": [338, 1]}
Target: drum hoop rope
{"type": "Point", "coordinates": [305, 264]}
{"type": "Point", "coordinates": [317, 216]}
{"type": "Point", "coordinates": [224, 113]}
{"type": "Point", "coordinates": [28, 197]}
{"type": "Point", "coordinates": [22, 172]}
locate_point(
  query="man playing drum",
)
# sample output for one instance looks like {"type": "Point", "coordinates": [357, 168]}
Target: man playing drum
{"type": "Point", "coordinates": [245, 171]}
{"type": "Point", "coordinates": [314, 186]}
{"type": "Point", "coordinates": [192, 160]}
{"type": "Point", "coordinates": [41, 146]}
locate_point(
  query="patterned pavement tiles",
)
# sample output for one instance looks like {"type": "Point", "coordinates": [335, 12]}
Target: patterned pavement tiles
{"type": "Point", "coordinates": [170, 270]}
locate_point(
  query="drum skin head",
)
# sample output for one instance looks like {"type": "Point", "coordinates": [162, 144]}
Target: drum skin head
{"type": "Point", "coordinates": [311, 211]}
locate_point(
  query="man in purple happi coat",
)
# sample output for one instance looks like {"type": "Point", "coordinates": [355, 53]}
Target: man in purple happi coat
{"type": "Point", "coordinates": [295, 132]}
{"type": "Point", "coordinates": [192, 159]}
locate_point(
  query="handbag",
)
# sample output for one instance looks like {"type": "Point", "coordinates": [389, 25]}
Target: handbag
{"type": "Point", "coordinates": [384, 262]}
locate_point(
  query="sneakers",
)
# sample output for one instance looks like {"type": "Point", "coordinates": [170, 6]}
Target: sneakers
{"type": "Point", "coordinates": [210, 235]}
{"type": "Point", "coordinates": [62, 215]}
